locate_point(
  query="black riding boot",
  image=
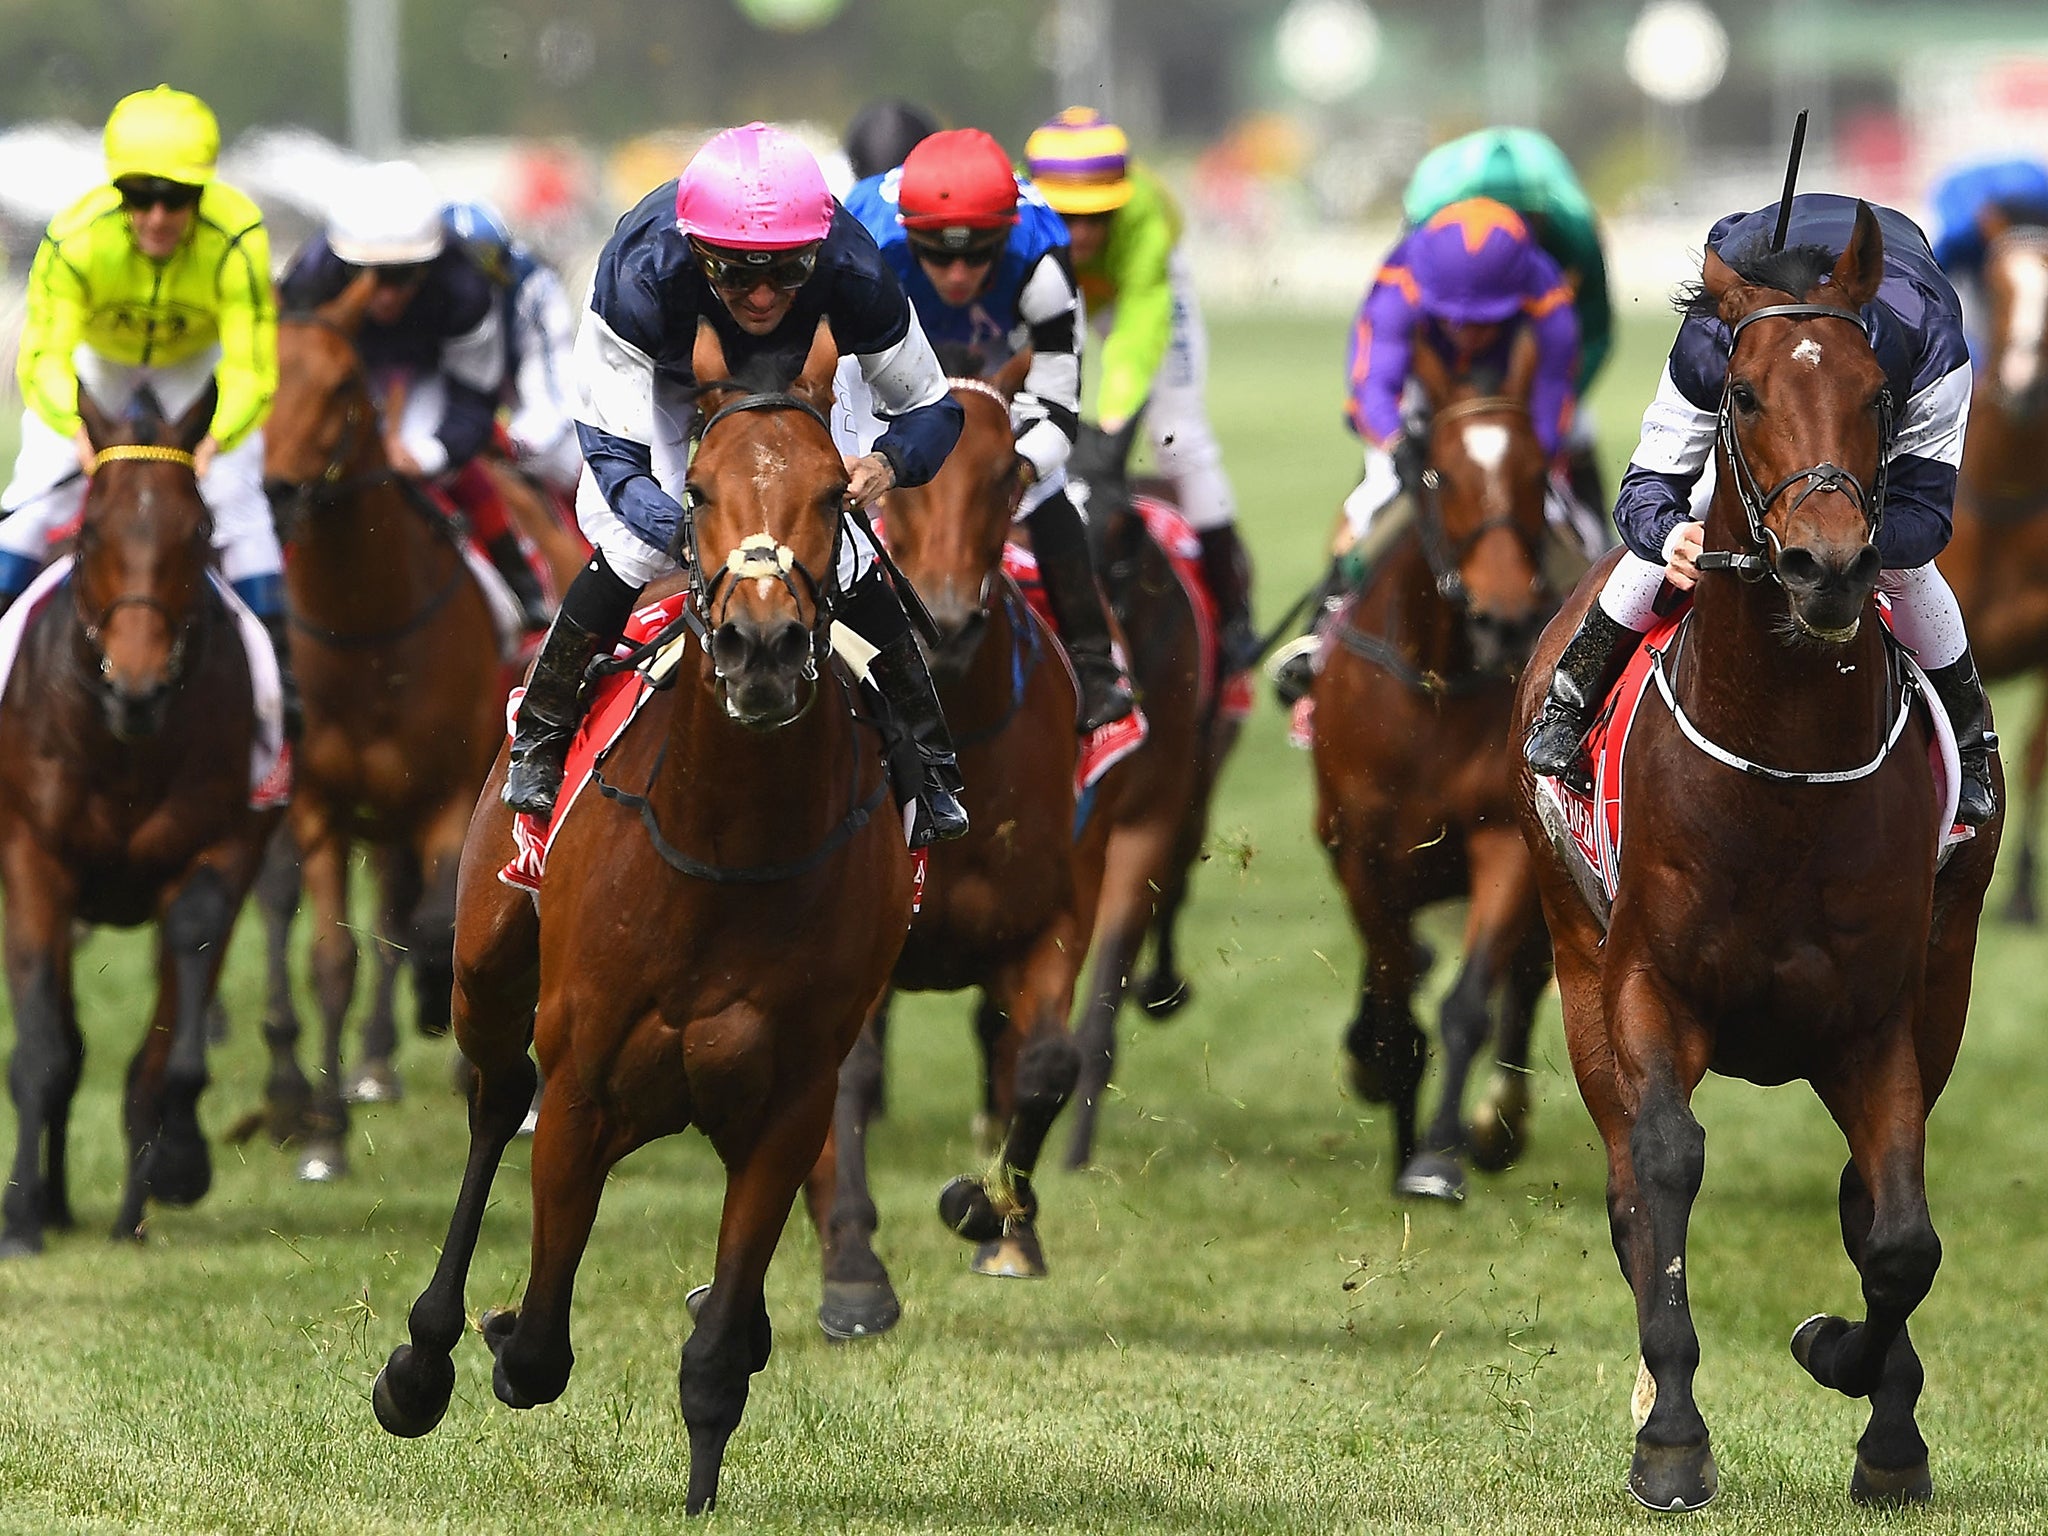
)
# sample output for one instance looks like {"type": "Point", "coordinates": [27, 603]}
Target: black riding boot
{"type": "Point", "coordinates": [512, 564]}
{"type": "Point", "coordinates": [594, 612]}
{"type": "Point", "coordinates": [1294, 665]}
{"type": "Point", "coordinates": [1228, 570]}
{"type": "Point", "coordinates": [1061, 545]}
{"type": "Point", "coordinates": [1961, 693]}
{"type": "Point", "coordinates": [278, 627]}
{"type": "Point", "coordinates": [1591, 662]}
{"type": "Point", "coordinates": [873, 611]}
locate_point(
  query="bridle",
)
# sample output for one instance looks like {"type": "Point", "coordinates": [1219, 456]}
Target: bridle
{"type": "Point", "coordinates": [1757, 502]}
{"type": "Point", "coordinates": [1445, 556]}
{"type": "Point", "coordinates": [94, 627]}
{"type": "Point", "coordinates": [334, 481]}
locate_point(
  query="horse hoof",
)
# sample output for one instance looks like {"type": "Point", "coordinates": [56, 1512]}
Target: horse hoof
{"type": "Point", "coordinates": [411, 1392]}
{"type": "Point", "coordinates": [1809, 1336]}
{"type": "Point", "coordinates": [179, 1174]}
{"type": "Point", "coordinates": [1888, 1488]}
{"type": "Point", "coordinates": [965, 1208]}
{"type": "Point", "coordinates": [858, 1309]}
{"type": "Point", "coordinates": [1013, 1256]}
{"type": "Point", "coordinates": [376, 1083]}
{"type": "Point", "coordinates": [1432, 1176]}
{"type": "Point", "coordinates": [1672, 1479]}
{"type": "Point", "coordinates": [18, 1246]}
{"type": "Point", "coordinates": [694, 1302]}
{"type": "Point", "coordinates": [1163, 994]}
{"type": "Point", "coordinates": [323, 1164]}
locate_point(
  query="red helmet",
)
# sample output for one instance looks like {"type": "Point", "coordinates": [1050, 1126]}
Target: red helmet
{"type": "Point", "coordinates": [958, 186]}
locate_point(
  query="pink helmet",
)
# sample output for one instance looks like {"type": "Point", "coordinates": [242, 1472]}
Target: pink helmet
{"type": "Point", "coordinates": [754, 189]}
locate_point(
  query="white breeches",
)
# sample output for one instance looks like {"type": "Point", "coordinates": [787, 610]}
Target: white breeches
{"type": "Point", "coordinates": [243, 534]}
{"type": "Point", "coordinates": [1374, 493]}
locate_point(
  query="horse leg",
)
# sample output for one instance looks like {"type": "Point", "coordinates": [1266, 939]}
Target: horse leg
{"type": "Point", "coordinates": [998, 1050]}
{"type": "Point", "coordinates": [167, 1154]}
{"type": "Point", "coordinates": [49, 1052]}
{"type": "Point", "coordinates": [323, 864]}
{"type": "Point", "coordinates": [878, 1021]}
{"type": "Point", "coordinates": [1387, 1052]}
{"type": "Point", "coordinates": [286, 1094]}
{"type": "Point", "coordinates": [1135, 859]}
{"type": "Point", "coordinates": [1163, 991]}
{"type": "Point", "coordinates": [433, 920]}
{"type": "Point", "coordinates": [732, 1338]}
{"type": "Point", "coordinates": [2022, 908]}
{"type": "Point", "coordinates": [999, 1212]}
{"type": "Point", "coordinates": [858, 1301]}
{"type": "Point", "coordinates": [1497, 1130]}
{"type": "Point", "coordinates": [374, 1079]}
{"type": "Point", "coordinates": [1890, 1238]}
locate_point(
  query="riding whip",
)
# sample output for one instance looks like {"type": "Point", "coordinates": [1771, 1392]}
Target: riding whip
{"type": "Point", "coordinates": [1791, 180]}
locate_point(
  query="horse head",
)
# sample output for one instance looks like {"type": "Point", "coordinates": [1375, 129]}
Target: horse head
{"type": "Point", "coordinates": [143, 551]}
{"type": "Point", "coordinates": [948, 535]}
{"type": "Point", "coordinates": [1481, 503]}
{"type": "Point", "coordinates": [2016, 284]}
{"type": "Point", "coordinates": [765, 495]}
{"type": "Point", "coordinates": [1804, 417]}
{"type": "Point", "coordinates": [322, 429]}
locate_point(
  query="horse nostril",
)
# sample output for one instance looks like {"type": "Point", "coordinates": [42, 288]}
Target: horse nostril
{"type": "Point", "coordinates": [729, 648]}
{"type": "Point", "coordinates": [1799, 567]}
{"type": "Point", "coordinates": [1863, 571]}
{"type": "Point", "coordinates": [788, 645]}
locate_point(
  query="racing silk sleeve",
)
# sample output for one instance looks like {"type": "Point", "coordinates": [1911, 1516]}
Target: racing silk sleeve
{"type": "Point", "coordinates": [247, 318]}
{"type": "Point", "coordinates": [1677, 439]}
{"type": "Point", "coordinates": [472, 371]}
{"type": "Point", "coordinates": [1141, 242]}
{"type": "Point", "coordinates": [1046, 414]}
{"type": "Point", "coordinates": [547, 336]}
{"type": "Point", "coordinates": [57, 301]}
{"type": "Point", "coordinates": [1921, 470]}
{"type": "Point", "coordinates": [923, 419]}
{"type": "Point", "coordinates": [1382, 341]}
{"type": "Point", "coordinates": [1575, 243]}
{"type": "Point", "coordinates": [314, 275]}
{"type": "Point", "coordinates": [614, 374]}
{"type": "Point", "coordinates": [1554, 393]}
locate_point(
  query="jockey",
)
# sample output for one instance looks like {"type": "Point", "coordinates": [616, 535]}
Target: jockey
{"type": "Point", "coordinates": [1465, 285]}
{"type": "Point", "coordinates": [882, 135]}
{"type": "Point", "coordinates": [160, 277]}
{"type": "Point", "coordinates": [1125, 234]}
{"type": "Point", "coordinates": [984, 262]}
{"type": "Point", "coordinates": [1524, 170]}
{"type": "Point", "coordinates": [749, 240]}
{"type": "Point", "coordinates": [540, 332]}
{"type": "Point", "coordinates": [1915, 326]}
{"type": "Point", "coordinates": [1974, 204]}
{"type": "Point", "coordinates": [432, 342]}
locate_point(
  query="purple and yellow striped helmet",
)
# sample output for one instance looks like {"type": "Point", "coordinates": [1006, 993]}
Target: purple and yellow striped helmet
{"type": "Point", "coordinates": [1080, 161]}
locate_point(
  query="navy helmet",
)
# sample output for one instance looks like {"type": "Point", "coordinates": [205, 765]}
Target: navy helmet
{"type": "Point", "coordinates": [482, 232]}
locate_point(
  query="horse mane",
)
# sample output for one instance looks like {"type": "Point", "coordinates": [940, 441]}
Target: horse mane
{"type": "Point", "coordinates": [1795, 270]}
{"type": "Point", "coordinates": [960, 359]}
{"type": "Point", "coordinates": [145, 414]}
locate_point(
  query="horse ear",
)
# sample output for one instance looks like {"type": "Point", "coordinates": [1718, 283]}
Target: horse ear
{"type": "Point", "coordinates": [1010, 377]}
{"type": "Point", "coordinates": [1733, 295]}
{"type": "Point", "coordinates": [1429, 371]}
{"type": "Point", "coordinates": [1861, 268]}
{"type": "Point", "coordinates": [98, 426]}
{"type": "Point", "coordinates": [707, 362]}
{"type": "Point", "coordinates": [1523, 355]}
{"type": "Point", "coordinates": [345, 310]}
{"type": "Point", "coordinates": [190, 429]}
{"type": "Point", "coordinates": [814, 381]}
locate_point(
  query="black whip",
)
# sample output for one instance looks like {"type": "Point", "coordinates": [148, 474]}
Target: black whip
{"type": "Point", "coordinates": [1791, 180]}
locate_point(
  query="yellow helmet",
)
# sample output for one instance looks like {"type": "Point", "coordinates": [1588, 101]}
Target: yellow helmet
{"type": "Point", "coordinates": [164, 133]}
{"type": "Point", "coordinates": [1080, 162]}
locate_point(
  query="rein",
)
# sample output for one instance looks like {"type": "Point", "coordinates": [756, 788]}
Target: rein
{"type": "Point", "coordinates": [1026, 652]}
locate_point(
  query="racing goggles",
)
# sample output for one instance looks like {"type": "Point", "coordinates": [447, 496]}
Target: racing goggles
{"type": "Point", "coordinates": [143, 192]}
{"type": "Point", "coordinates": [943, 247]}
{"type": "Point", "coordinates": [397, 274]}
{"type": "Point", "coordinates": [743, 271]}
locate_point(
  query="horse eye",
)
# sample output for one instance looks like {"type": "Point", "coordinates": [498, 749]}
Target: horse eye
{"type": "Point", "coordinates": [1743, 396]}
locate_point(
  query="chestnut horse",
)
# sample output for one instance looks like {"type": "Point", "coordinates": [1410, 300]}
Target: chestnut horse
{"type": "Point", "coordinates": [399, 664]}
{"type": "Point", "coordinates": [1006, 908]}
{"type": "Point", "coordinates": [1415, 773]}
{"type": "Point", "coordinates": [1998, 560]}
{"type": "Point", "coordinates": [668, 989]}
{"type": "Point", "coordinates": [1779, 913]}
{"type": "Point", "coordinates": [125, 740]}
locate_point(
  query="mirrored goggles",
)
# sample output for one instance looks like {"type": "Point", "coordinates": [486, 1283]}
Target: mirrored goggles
{"type": "Point", "coordinates": [142, 192]}
{"type": "Point", "coordinates": [743, 271]}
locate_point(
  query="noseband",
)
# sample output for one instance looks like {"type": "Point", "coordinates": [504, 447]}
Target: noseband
{"type": "Point", "coordinates": [1757, 502]}
{"type": "Point", "coordinates": [1445, 557]}
{"type": "Point", "coordinates": [94, 627]}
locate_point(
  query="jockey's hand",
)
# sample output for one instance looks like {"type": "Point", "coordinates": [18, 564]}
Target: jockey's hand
{"type": "Point", "coordinates": [1682, 548]}
{"type": "Point", "coordinates": [401, 457]}
{"type": "Point", "coordinates": [203, 456]}
{"type": "Point", "coordinates": [867, 478]}
{"type": "Point", "coordinates": [81, 443]}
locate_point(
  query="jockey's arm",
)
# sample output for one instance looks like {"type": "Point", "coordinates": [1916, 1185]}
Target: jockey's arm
{"type": "Point", "coordinates": [247, 319]}
{"type": "Point", "coordinates": [1924, 463]}
{"type": "Point", "coordinates": [1553, 394]}
{"type": "Point", "coordinates": [1046, 413]}
{"type": "Point", "coordinates": [923, 419]}
{"type": "Point", "coordinates": [1142, 326]}
{"type": "Point", "coordinates": [615, 382]}
{"type": "Point", "coordinates": [1655, 497]}
{"type": "Point", "coordinates": [472, 370]}
{"type": "Point", "coordinates": [57, 301]}
{"type": "Point", "coordinates": [547, 338]}
{"type": "Point", "coordinates": [1382, 344]}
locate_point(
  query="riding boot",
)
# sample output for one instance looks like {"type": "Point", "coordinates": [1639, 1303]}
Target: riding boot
{"type": "Point", "coordinates": [1961, 693]}
{"type": "Point", "coordinates": [1294, 664]}
{"type": "Point", "coordinates": [1588, 667]}
{"type": "Point", "coordinates": [1060, 544]}
{"type": "Point", "coordinates": [1228, 570]}
{"type": "Point", "coordinates": [594, 612]}
{"type": "Point", "coordinates": [899, 674]}
{"type": "Point", "coordinates": [278, 627]}
{"type": "Point", "coordinates": [512, 564]}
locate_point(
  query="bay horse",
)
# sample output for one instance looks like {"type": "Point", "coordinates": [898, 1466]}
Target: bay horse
{"type": "Point", "coordinates": [1006, 908]}
{"type": "Point", "coordinates": [707, 961]}
{"type": "Point", "coordinates": [1997, 561]}
{"type": "Point", "coordinates": [1779, 913]}
{"type": "Point", "coordinates": [125, 741]}
{"type": "Point", "coordinates": [399, 664]}
{"type": "Point", "coordinates": [1415, 782]}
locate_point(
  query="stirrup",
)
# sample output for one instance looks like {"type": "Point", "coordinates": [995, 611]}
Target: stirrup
{"type": "Point", "coordinates": [1291, 669]}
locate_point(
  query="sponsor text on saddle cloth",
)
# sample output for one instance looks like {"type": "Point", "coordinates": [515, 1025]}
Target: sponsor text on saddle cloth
{"type": "Point", "coordinates": [270, 762]}
{"type": "Point", "coordinates": [1587, 829]}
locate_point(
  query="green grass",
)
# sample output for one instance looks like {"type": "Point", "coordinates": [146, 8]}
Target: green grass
{"type": "Point", "coordinates": [1242, 1330]}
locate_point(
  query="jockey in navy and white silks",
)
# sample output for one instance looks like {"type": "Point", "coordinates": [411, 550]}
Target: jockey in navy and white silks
{"type": "Point", "coordinates": [984, 261]}
{"type": "Point", "coordinates": [749, 240]}
{"type": "Point", "coordinates": [1915, 327]}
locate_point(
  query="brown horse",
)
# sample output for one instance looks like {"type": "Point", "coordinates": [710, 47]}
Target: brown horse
{"type": "Point", "coordinates": [667, 992]}
{"type": "Point", "coordinates": [125, 740]}
{"type": "Point", "coordinates": [1006, 908]}
{"type": "Point", "coordinates": [1782, 919]}
{"type": "Point", "coordinates": [1998, 560]}
{"type": "Point", "coordinates": [404, 693]}
{"type": "Point", "coordinates": [1415, 774]}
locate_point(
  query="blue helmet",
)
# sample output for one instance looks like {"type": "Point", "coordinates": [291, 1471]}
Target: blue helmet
{"type": "Point", "coordinates": [480, 231]}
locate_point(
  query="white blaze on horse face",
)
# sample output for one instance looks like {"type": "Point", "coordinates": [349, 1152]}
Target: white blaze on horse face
{"type": "Point", "coordinates": [1808, 352]}
{"type": "Point", "coordinates": [1486, 444]}
{"type": "Point", "coordinates": [2019, 365]}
